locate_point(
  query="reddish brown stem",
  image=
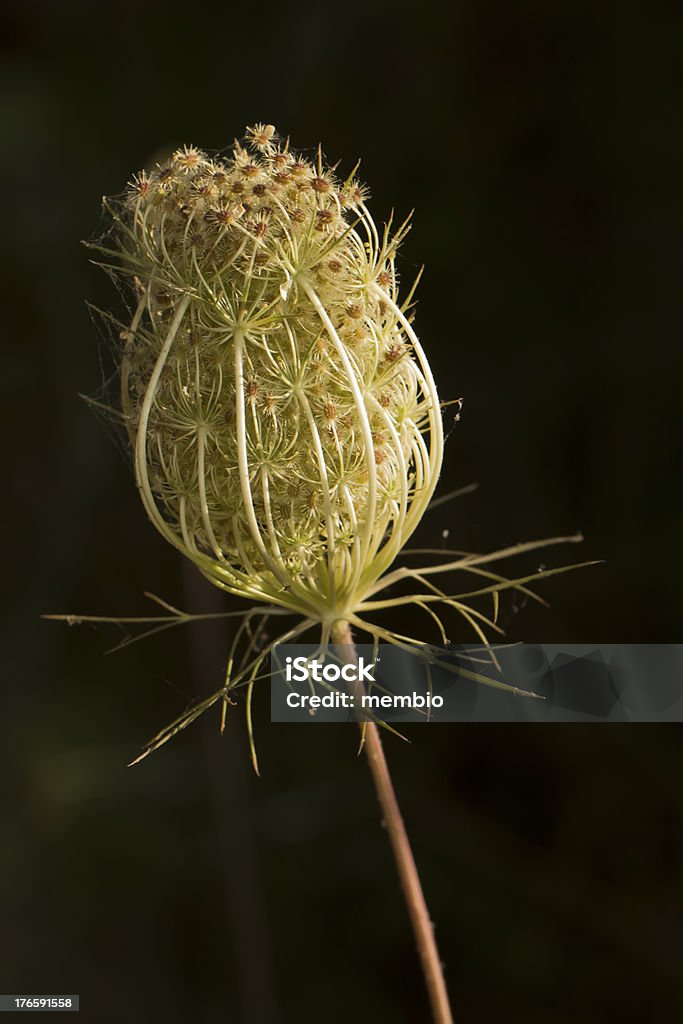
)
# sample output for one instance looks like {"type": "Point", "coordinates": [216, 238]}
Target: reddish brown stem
{"type": "Point", "coordinates": [405, 862]}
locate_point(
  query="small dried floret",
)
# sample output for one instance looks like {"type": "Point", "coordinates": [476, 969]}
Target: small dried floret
{"type": "Point", "coordinates": [224, 216]}
{"type": "Point", "coordinates": [324, 219]}
{"type": "Point", "coordinates": [188, 157]}
{"type": "Point", "coordinates": [195, 237]}
{"type": "Point", "coordinates": [204, 188]}
{"type": "Point", "coordinates": [354, 194]}
{"type": "Point", "coordinates": [258, 225]}
{"type": "Point", "coordinates": [250, 170]}
{"type": "Point", "coordinates": [261, 135]}
{"type": "Point", "coordinates": [139, 187]}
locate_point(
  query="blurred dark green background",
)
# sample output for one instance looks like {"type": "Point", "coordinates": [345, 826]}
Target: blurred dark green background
{"type": "Point", "coordinates": [540, 144]}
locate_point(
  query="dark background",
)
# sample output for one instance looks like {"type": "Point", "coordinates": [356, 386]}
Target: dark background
{"type": "Point", "coordinates": [540, 144]}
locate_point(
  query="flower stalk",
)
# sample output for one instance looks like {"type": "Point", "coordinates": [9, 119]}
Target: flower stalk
{"type": "Point", "coordinates": [409, 877]}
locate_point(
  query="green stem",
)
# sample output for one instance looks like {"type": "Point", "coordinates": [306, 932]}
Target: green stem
{"type": "Point", "coordinates": [403, 854]}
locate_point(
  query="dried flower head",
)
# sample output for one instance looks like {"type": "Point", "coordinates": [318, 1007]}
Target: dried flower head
{"type": "Point", "coordinates": [285, 294]}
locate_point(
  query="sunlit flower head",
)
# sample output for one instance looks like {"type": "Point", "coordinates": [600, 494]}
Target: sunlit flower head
{"type": "Point", "coordinates": [285, 424]}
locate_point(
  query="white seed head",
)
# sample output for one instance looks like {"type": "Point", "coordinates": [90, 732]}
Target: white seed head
{"type": "Point", "coordinates": [285, 423]}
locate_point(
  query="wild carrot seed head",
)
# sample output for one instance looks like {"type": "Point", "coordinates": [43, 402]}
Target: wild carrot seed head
{"type": "Point", "coordinates": [285, 423]}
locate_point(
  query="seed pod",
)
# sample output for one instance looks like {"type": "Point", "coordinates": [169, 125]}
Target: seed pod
{"type": "Point", "coordinates": [285, 424]}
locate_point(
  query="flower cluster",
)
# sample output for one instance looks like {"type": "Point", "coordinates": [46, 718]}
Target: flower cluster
{"type": "Point", "coordinates": [286, 427]}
